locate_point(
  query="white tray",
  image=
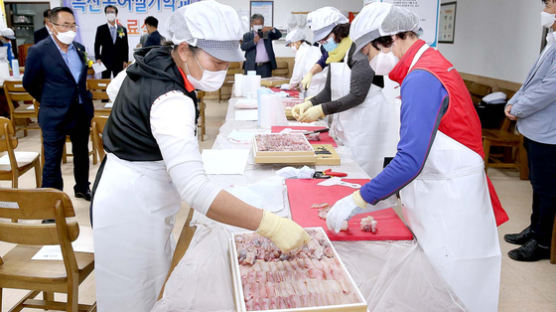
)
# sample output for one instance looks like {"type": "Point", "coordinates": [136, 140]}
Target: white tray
{"type": "Point", "coordinates": [238, 289]}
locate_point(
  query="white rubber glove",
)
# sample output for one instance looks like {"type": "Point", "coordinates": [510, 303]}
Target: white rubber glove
{"type": "Point", "coordinates": [306, 82]}
{"type": "Point", "coordinates": [299, 109]}
{"type": "Point", "coordinates": [352, 205]}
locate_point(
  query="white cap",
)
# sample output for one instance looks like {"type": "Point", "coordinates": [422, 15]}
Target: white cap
{"type": "Point", "coordinates": [323, 20]}
{"type": "Point", "coordinates": [209, 25]}
{"type": "Point", "coordinates": [8, 33]}
{"type": "Point", "coordinates": [381, 19]}
{"type": "Point", "coordinates": [295, 35]}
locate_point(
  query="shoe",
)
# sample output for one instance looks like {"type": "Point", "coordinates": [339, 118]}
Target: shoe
{"type": "Point", "coordinates": [48, 221]}
{"type": "Point", "coordinates": [519, 238]}
{"type": "Point", "coordinates": [530, 251]}
{"type": "Point", "coordinates": [86, 195]}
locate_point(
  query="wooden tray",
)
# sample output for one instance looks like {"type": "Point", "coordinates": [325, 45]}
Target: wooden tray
{"type": "Point", "coordinates": [326, 155]}
{"type": "Point", "coordinates": [238, 289]}
{"type": "Point", "coordinates": [274, 81]}
{"type": "Point", "coordinates": [286, 157]}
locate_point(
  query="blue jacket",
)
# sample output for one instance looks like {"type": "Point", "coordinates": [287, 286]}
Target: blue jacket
{"type": "Point", "coordinates": [535, 102]}
{"type": "Point", "coordinates": [154, 39]}
{"type": "Point", "coordinates": [49, 80]}
{"type": "Point", "coordinates": [250, 47]}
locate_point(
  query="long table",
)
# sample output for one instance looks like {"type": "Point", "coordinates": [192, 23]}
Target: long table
{"type": "Point", "coordinates": [392, 275]}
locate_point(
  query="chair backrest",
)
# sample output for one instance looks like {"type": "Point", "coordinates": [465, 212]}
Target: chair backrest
{"type": "Point", "coordinates": [98, 127]}
{"type": "Point", "coordinates": [98, 88]}
{"type": "Point", "coordinates": [8, 140]}
{"type": "Point", "coordinates": [15, 93]}
{"type": "Point", "coordinates": [39, 204]}
{"type": "Point", "coordinates": [477, 90]}
{"type": "Point", "coordinates": [508, 126]}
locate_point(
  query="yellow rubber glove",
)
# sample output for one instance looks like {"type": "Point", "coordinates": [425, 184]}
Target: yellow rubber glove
{"type": "Point", "coordinates": [285, 233]}
{"type": "Point", "coordinates": [306, 82]}
{"type": "Point", "coordinates": [299, 109]}
{"type": "Point", "coordinates": [312, 114]}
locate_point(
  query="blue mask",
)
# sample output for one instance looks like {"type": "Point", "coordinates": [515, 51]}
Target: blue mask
{"type": "Point", "coordinates": [330, 45]}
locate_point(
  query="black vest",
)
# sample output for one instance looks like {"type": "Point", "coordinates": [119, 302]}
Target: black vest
{"type": "Point", "coordinates": [127, 133]}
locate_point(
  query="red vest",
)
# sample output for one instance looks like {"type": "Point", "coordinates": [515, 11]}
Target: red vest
{"type": "Point", "coordinates": [460, 122]}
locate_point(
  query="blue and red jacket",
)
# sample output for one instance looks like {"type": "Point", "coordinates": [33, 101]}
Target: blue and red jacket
{"type": "Point", "coordinates": [434, 97]}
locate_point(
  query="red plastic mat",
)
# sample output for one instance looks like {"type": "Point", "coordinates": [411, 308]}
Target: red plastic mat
{"type": "Point", "coordinates": [303, 193]}
{"type": "Point", "coordinates": [325, 138]}
{"type": "Point", "coordinates": [291, 93]}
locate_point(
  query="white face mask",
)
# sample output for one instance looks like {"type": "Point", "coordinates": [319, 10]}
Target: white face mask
{"type": "Point", "coordinates": [210, 80]}
{"type": "Point", "coordinates": [257, 27]}
{"type": "Point", "coordinates": [547, 19]}
{"type": "Point", "coordinates": [383, 63]}
{"type": "Point", "coordinates": [111, 17]}
{"type": "Point", "coordinates": [294, 49]}
{"type": "Point", "coordinates": [66, 37]}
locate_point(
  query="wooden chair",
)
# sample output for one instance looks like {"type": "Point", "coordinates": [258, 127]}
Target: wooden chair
{"type": "Point", "coordinates": [14, 164]}
{"type": "Point", "coordinates": [234, 68]}
{"type": "Point", "coordinates": [22, 53]}
{"type": "Point", "coordinates": [282, 69]}
{"type": "Point", "coordinates": [26, 108]}
{"type": "Point", "coordinates": [98, 128]}
{"type": "Point", "coordinates": [98, 88]}
{"type": "Point", "coordinates": [477, 90]}
{"type": "Point", "coordinates": [19, 271]}
{"type": "Point", "coordinates": [201, 124]}
{"type": "Point", "coordinates": [553, 247]}
{"type": "Point", "coordinates": [515, 155]}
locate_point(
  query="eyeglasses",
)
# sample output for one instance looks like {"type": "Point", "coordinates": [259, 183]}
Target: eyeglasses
{"type": "Point", "coordinates": [67, 26]}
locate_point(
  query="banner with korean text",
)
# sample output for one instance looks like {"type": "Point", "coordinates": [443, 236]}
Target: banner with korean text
{"type": "Point", "coordinates": [89, 14]}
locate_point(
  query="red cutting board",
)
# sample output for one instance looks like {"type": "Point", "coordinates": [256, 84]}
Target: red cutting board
{"type": "Point", "coordinates": [291, 93]}
{"type": "Point", "coordinates": [303, 193]}
{"type": "Point", "coordinates": [325, 138]}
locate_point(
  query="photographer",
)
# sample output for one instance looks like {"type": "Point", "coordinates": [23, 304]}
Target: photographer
{"type": "Point", "coordinates": [257, 44]}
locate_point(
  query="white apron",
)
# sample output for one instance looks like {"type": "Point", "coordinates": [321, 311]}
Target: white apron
{"type": "Point", "coordinates": [449, 210]}
{"type": "Point", "coordinates": [317, 83]}
{"type": "Point", "coordinates": [134, 210]}
{"type": "Point", "coordinates": [371, 129]}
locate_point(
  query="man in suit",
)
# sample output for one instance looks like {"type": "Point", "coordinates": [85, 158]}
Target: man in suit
{"type": "Point", "coordinates": [111, 46]}
{"type": "Point", "coordinates": [55, 75]}
{"type": "Point", "coordinates": [154, 38]}
{"type": "Point", "coordinates": [43, 32]}
{"type": "Point", "coordinates": [257, 44]}
{"type": "Point", "coordinates": [534, 108]}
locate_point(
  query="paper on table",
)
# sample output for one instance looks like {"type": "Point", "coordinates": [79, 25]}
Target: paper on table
{"type": "Point", "coordinates": [244, 135]}
{"type": "Point", "coordinates": [266, 194]}
{"type": "Point", "coordinates": [84, 243]}
{"type": "Point", "coordinates": [98, 67]}
{"type": "Point", "coordinates": [225, 161]}
{"type": "Point", "coordinates": [247, 114]}
{"type": "Point", "coordinates": [30, 107]}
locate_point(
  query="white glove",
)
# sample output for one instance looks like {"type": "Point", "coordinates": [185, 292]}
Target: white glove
{"type": "Point", "coordinates": [306, 82]}
{"type": "Point", "coordinates": [352, 205]}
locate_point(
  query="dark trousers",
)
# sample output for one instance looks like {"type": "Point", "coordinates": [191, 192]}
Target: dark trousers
{"type": "Point", "coordinates": [542, 173]}
{"type": "Point", "coordinates": [53, 141]}
{"type": "Point", "coordinates": [114, 69]}
{"type": "Point", "coordinates": [264, 70]}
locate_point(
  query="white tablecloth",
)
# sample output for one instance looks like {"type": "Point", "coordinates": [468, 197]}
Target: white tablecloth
{"type": "Point", "coordinates": [393, 276]}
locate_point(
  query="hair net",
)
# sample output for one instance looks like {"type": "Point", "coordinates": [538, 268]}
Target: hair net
{"type": "Point", "coordinates": [380, 19]}
{"type": "Point", "coordinates": [323, 20]}
{"type": "Point", "coordinates": [295, 35]}
{"type": "Point", "coordinates": [209, 25]}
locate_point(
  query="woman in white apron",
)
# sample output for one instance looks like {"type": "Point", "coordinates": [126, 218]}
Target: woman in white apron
{"type": "Point", "coordinates": [306, 55]}
{"type": "Point", "coordinates": [447, 198]}
{"type": "Point", "coordinates": [153, 161]}
{"type": "Point", "coordinates": [363, 120]}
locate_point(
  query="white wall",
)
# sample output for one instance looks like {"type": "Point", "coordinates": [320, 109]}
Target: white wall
{"type": "Point", "coordinates": [495, 38]}
{"type": "Point", "coordinates": [283, 8]}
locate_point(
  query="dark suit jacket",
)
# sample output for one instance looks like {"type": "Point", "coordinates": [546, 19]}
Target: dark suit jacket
{"type": "Point", "coordinates": [250, 47]}
{"type": "Point", "coordinates": [154, 39]}
{"type": "Point", "coordinates": [49, 80]}
{"type": "Point", "coordinates": [40, 34]}
{"type": "Point", "coordinates": [112, 55]}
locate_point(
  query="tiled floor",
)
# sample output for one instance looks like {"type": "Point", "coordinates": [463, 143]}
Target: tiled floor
{"type": "Point", "coordinates": [524, 286]}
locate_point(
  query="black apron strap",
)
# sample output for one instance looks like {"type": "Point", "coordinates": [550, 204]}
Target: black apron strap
{"type": "Point", "coordinates": [95, 185]}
